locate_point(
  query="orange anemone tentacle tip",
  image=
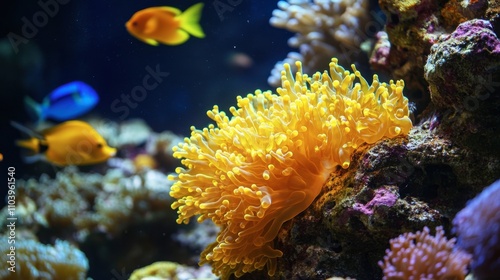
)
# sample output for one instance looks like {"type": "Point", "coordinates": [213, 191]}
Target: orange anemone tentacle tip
{"type": "Point", "coordinates": [252, 171]}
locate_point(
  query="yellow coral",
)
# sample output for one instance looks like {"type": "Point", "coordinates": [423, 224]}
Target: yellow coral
{"type": "Point", "coordinates": [171, 271]}
{"type": "Point", "coordinates": [157, 270]}
{"type": "Point", "coordinates": [258, 169]}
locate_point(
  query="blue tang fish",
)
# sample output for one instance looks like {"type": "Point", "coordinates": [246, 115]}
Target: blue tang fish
{"type": "Point", "coordinates": [66, 102]}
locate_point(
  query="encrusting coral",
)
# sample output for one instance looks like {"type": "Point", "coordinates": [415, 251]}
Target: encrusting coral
{"type": "Point", "coordinates": [423, 256]}
{"type": "Point", "coordinates": [269, 161]}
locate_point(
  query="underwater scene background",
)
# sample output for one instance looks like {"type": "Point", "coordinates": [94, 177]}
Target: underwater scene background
{"type": "Point", "coordinates": [233, 139]}
{"type": "Point", "coordinates": [81, 42]}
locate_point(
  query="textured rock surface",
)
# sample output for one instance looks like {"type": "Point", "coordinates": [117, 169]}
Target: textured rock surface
{"type": "Point", "coordinates": [430, 188]}
{"type": "Point", "coordinates": [463, 74]}
{"type": "Point", "coordinates": [413, 26]}
{"type": "Point", "coordinates": [462, 69]}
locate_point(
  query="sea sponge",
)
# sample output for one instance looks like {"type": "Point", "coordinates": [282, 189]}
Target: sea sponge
{"type": "Point", "coordinates": [258, 169]}
{"type": "Point", "coordinates": [423, 256]}
{"type": "Point", "coordinates": [478, 231]}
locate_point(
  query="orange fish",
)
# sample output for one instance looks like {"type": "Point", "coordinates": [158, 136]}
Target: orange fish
{"type": "Point", "coordinates": [167, 25]}
{"type": "Point", "coordinates": [69, 143]}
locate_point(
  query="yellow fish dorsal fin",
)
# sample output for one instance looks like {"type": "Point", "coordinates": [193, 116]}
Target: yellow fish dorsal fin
{"type": "Point", "coordinates": [171, 10]}
{"type": "Point", "coordinates": [190, 20]}
{"type": "Point", "coordinates": [26, 130]}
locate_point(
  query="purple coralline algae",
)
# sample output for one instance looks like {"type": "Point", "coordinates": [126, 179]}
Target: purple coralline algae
{"type": "Point", "coordinates": [481, 28]}
{"type": "Point", "coordinates": [478, 230]}
{"type": "Point", "coordinates": [382, 197]}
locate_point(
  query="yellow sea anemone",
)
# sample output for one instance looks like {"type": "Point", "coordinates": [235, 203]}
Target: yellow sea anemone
{"type": "Point", "coordinates": [252, 172]}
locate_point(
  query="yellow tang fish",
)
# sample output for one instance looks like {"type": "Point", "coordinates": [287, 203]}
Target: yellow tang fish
{"type": "Point", "coordinates": [167, 25]}
{"type": "Point", "coordinates": [69, 143]}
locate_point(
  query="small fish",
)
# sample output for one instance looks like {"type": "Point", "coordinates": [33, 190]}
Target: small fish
{"type": "Point", "coordinates": [69, 143]}
{"type": "Point", "coordinates": [167, 25]}
{"type": "Point", "coordinates": [66, 102]}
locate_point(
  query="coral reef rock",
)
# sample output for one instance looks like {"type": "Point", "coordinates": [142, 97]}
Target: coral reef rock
{"type": "Point", "coordinates": [393, 186]}
{"type": "Point", "coordinates": [414, 26]}
{"type": "Point", "coordinates": [463, 75]}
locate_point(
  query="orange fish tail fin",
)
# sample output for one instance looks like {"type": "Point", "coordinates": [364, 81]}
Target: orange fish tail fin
{"type": "Point", "coordinates": [190, 20]}
{"type": "Point", "coordinates": [32, 144]}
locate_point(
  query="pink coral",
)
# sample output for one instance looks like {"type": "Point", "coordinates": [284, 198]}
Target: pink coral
{"type": "Point", "coordinates": [423, 256]}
